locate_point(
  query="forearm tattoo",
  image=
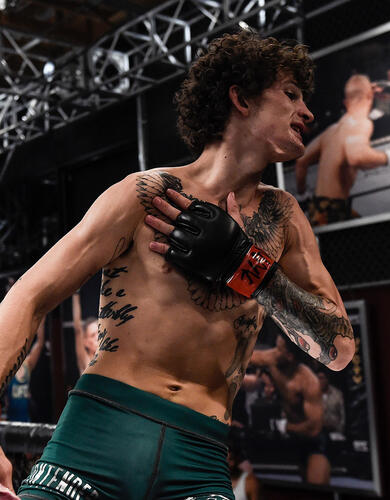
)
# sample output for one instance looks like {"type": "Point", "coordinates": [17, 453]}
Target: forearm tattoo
{"type": "Point", "coordinates": [245, 331]}
{"type": "Point", "coordinates": [300, 313]}
{"type": "Point", "coordinates": [213, 298]}
{"type": "Point", "coordinates": [18, 363]}
{"type": "Point", "coordinates": [296, 311]}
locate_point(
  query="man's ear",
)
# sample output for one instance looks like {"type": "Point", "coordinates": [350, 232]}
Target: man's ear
{"type": "Point", "coordinates": [238, 100]}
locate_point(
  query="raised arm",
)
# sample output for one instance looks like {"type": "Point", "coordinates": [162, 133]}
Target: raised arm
{"type": "Point", "coordinates": [81, 354]}
{"type": "Point", "coordinates": [104, 233]}
{"type": "Point", "coordinates": [358, 150]}
{"type": "Point", "coordinates": [36, 349]}
{"type": "Point", "coordinates": [263, 357]}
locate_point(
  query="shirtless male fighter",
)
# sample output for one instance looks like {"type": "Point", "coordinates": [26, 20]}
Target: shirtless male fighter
{"type": "Point", "coordinates": [148, 419]}
{"type": "Point", "coordinates": [340, 151]}
{"type": "Point", "coordinates": [85, 335]}
{"type": "Point", "coordinates": [301, 399]}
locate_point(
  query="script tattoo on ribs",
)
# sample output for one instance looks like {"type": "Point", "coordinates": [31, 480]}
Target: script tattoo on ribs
{"type": "Point", "coordinates": [245, 331]}
{"type": "Point", "coordinates": [106, 343]}
{"type": "Point", "coordinates": [213, 298]}
{"type": "Point", "coordinates": [300, 313]}
{"type": "Point", "coordinates": [111, 309]}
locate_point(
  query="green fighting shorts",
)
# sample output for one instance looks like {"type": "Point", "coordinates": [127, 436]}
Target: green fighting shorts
{"type": "Point", "coordinates": [114, 441]}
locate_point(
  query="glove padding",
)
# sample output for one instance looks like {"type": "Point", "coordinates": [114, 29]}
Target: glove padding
{"type": "Point", "coordinates": [209, 244]}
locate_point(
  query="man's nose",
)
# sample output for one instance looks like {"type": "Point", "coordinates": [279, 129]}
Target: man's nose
{"type": "Point", "coordinates": [305, 113]}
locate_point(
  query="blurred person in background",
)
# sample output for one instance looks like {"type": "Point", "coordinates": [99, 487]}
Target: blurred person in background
{"type": "Point", "coordinates": [85, 336]}
{"type": "Point", "coordinates": [245, 484]}
{"type": "Point", "coordinates": [334, 408]}
{"type": "Point", "coordinates": [301, 401]}
{"type": "Point", "coordinates": [340, 152]}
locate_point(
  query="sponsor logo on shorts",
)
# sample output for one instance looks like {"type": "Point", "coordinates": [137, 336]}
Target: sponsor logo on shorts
{"type": "Point", "coordinates": [45, 476]}
{"type": "Point", "coordinates": [208, 497]}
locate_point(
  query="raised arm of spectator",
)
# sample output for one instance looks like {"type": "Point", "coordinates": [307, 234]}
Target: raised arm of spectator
{"type": "Point", "coordinates": [36, 349]}
{"type": "Point", "coordinates": [81, 353]}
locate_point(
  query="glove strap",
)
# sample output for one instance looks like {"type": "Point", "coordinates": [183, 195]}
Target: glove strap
{"type": "Point", "coordinates": [253, 269]}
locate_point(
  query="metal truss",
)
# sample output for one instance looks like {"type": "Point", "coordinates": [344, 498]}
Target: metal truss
{"type": "Point", "coordinates": [38, 95]}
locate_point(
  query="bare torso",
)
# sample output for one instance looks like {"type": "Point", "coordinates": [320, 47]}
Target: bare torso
{"type": "Point", "coordinates": [291, 387]}
{"type": "Point", "coordinates": [335, 176]}
{"type": "Point", "coordinates": [169, 334]}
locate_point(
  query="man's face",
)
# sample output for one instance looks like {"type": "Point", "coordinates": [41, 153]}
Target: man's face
{"type": "Point", "coordinates": [91, 337]}
{"type": "Point", "coordinates": [279, 117]}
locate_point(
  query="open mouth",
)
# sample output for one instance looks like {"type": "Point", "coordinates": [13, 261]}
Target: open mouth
{"type": "Point", "coordinates": [297, 130]}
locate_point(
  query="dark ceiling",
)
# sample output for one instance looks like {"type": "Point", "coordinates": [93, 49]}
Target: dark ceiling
{"type": "Point", "coordinates": [73, 22]}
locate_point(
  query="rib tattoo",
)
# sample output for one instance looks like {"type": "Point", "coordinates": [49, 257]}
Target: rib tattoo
{"type": "Point", "coordinates": [245, 330]}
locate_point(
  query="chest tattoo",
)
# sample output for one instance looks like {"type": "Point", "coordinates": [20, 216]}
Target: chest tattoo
{"type": "Point", "coordinates": [266, 228]}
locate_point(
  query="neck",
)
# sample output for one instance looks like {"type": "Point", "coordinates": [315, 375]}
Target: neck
{"type": "Point", "coordinates": [223, 168]}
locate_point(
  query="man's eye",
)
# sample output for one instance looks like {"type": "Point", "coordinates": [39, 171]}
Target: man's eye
{"type": "Point", "coordinates": [291, 95]}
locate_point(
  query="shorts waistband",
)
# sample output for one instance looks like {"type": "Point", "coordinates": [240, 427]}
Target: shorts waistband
{"type": "Point", "coordinates": [128, 398]}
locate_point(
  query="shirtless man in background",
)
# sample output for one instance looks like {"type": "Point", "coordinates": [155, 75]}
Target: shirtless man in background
{"type": "Point", "coordinates": [85, 335]}
{"type": "Point", "coordinates": [340, 151]}
{"type": "Point", "coordinates": [301, 399]}
{"type": "Point", "coordinates": [148, 418]}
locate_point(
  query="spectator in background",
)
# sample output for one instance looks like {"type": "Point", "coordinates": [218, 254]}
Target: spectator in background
{"type": "Point", "coordinates": [334, 409]}
{"type": "Point", "coordinates": [340, 151]}
{"type": "Point", "coordinates": [85, 337]}
{"type": "Point", "coordinates": [18, 392]}
{"type": "Point", "coordinates": [301, 400]}
{"type": "Point", "coordinates": [245, 484]}
{"type": "Point", "coordinates": [252, 387]}
{"type": "Point", "coordinates": [268, 392]}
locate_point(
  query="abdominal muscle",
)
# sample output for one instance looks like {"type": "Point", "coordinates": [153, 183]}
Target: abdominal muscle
{"type": "Point", "coordinates": [155, 335]}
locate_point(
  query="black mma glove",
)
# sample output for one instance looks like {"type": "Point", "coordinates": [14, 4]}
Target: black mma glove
{"type": "Point", "coordinates": [208, 243]}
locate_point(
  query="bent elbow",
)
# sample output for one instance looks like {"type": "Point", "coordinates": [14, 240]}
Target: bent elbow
{"type": "Point", "coordinates": [345, 354]}
{"type": "Point", "coordinates": [355, 161]}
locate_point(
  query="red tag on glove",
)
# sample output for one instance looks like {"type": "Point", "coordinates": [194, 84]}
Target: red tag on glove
{"type": "Point", "coordinates": [253, 269]}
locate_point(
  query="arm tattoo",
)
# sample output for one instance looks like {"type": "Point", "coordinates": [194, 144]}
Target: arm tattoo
{"type": "Point", "coordinates": [300, 313]}
{"type": "Point", "coordinates": [212, 298]}
{"type": "Point", "coordinates": [18, 363]}
{"type": "Point", "coordinates": [296, 311]}
{"type": "Point", "coordinates": [245, 330]}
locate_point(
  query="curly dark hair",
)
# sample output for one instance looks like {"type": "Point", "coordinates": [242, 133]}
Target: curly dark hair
{"type": "Point", "coordinates": [243, 59]}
